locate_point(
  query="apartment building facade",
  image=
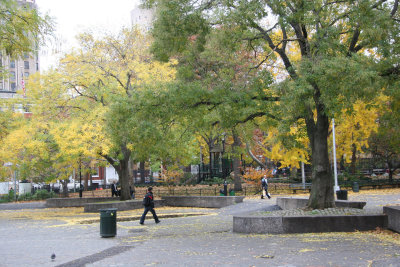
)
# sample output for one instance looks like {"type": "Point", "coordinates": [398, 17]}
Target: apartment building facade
{"type": "Point", "coordinates": [15, 71]}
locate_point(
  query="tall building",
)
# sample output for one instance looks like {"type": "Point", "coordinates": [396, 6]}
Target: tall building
{"type": "Point", "coordinates": [17, 70]}
{"type": "Point", "coordinates": [143, 18]}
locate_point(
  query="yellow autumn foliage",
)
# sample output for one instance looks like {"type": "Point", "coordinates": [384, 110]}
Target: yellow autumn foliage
{"type": "Point", "coordinates": [275, 150]}
{"type": "Point", "coordinates": [356, 128]}
{"type": "Point", "coordinates": [69, 104]}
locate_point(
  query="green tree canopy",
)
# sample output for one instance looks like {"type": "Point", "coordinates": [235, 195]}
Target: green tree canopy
{"type": "Point", "coordinates": [94, 99]}
{"type": "Point", "coordinates": [322, 56]}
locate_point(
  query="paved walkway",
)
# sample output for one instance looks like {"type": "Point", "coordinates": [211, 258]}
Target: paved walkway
{"type": "Point", "coordinates": [30, 236]}
{"type": "Point", "coordinates": [23, 205]}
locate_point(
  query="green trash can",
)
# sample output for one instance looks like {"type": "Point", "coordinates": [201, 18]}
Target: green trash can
{"type": "Point", "coordinates": [108, 222]}
{"type": "Point", "coordinates": [341, 194]}
{"type": "Point", "coordinates": [356, 187]}
{"type": "Point", "coordinates": [231, 192]}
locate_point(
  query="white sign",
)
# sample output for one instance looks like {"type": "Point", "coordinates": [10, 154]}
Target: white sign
{"type": "Point", "coordinates": [194, 169]}
{"type": "Point", "coordinates": [3, 188]}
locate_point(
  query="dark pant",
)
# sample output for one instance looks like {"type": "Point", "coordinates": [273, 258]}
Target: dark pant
{"type": "Point", "coordinates": [266, 191]}
{"type": "Point", "coordinates": [265, 188]}
{"type": "Point", "coordinates": [146, 210]}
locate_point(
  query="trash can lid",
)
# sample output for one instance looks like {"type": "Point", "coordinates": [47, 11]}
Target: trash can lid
{"type": "Point", "coordinates": [108, 209]}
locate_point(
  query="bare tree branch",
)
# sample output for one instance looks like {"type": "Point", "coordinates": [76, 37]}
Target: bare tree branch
{"type": "Point", "coordinates": [288, 65]}
{"type": "Point", "coordinates": [395, 7]}
{"type": "Point", "coordinates": [253, 116]}
{"type": "Point", "coordinates": [354, 40]}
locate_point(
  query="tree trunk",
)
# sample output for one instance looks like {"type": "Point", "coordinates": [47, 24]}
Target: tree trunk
{"type": "Point", "coordinates": [104, 170]}
{"type": "Point", "coordinates": [210, 163]}
{"type": "Point", "coordinates": [322, 195]}
{"type": "Point", "coordinates": [236, 162]}
{"type": "Point", "coordinates": [130, 174]}
{"type": "Point", "coordinates": [123, 173]}
{"type": "Point", "coordinates": [65, 187]}
{"type": "Point", "coordinates": [353, 159]}
{"type": "Point", "coordinates": [123, 170]}
{"type": "Point", "coordinates": [141, 170]}
{"type": "Point", "coordinates": [390, 166]}
{"type": "Point", "coordinates": [86, 181]}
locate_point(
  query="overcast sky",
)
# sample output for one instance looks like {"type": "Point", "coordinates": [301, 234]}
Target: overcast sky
{"type": "Point", "coordinates": [75, 16]}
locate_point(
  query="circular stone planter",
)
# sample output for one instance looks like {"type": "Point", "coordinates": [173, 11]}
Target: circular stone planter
{"type": "Point", "coordinates": [282, 224]}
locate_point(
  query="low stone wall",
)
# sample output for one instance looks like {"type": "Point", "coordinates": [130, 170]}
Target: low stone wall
{"type": "Point", "coordinates": [76, 202]}
{"type": "Point", "coordinates": [307, 224]}
{"type": "Point", "coordinates": [393, 214]}
{"type": "Point", "coordinates": [287, 203]}
{"type": "Point", "coordinates": [278, 224]}
{"type": "Point", "coordinates": [173, 201]}
{"type": "Point", "coordinates": [202, 201]}
{"type": "Point", "coordinates": [119, 205]}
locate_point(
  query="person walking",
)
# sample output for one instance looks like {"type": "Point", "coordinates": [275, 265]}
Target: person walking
{"type": "Point", "coordinates": [148, 203]}
{"type": "Point", "coordinates": [264, 184]}
{"type": "Point", "coordinates": [114, 189]}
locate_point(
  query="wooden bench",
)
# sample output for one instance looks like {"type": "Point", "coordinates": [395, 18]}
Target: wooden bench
{"type": "Point", "coordinates": [300, 186]}
{"type": "Point", "coordinates": [378, 184]}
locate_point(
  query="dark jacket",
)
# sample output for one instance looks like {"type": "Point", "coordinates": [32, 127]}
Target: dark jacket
{"type": "Point", "coordinates": [264, 183]}
{"type": "Point", "coordinates": [114, 188]}
{"type": "Point", "coordinates": [148, 200]}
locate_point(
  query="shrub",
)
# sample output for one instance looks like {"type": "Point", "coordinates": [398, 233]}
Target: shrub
{"type": "Point", "coordinates": [216, 180]}
{"type": "Point", "coordinates": [188, 179]}
{"type": "Point", "coordinates": [8, 197]}
{"type": "Point", "coordinates": [26, 196]}
{"type": "Point", "coordinates": [171, 177]}
{"type": "Point", "coordinates": [43, 194]}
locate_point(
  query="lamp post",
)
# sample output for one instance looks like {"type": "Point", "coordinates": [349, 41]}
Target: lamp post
{"type": "Point", "coordinates": [303, 175]}
{"type": "Point", "coordinates": [80, 177]}
{"type": "Point", "coordinates": [337, 188]}
{"type": "Point", "coordinates": [225, 188]}
{"type": "Point", "coordinates": [15, 185]}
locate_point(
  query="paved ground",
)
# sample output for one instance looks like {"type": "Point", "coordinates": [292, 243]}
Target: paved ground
{"type": "Point", "coordinates": [29, 236]}
{"type": "Point", "coordinates": [23, 205]}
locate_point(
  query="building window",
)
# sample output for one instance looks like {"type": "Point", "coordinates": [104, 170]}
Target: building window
{"type": "Point", "coordinates": [26, 65]}
{"type": "Point", "coordinates": [37, 66]}
{"type": "Point", "coordinates": [12, 64]}
{"type": "Point", "coordinates": [95, 172]}
{"type": "Point", "coordinates": [26, 56]}
{"type": "Point", "coordinates": [26, 74]}
{"type": "Point", "coordinates": [13, 86]}
{"type": "Point", "coordinates": [1, 86]}
{"type": "Point", "coordinates": [12, 75]}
